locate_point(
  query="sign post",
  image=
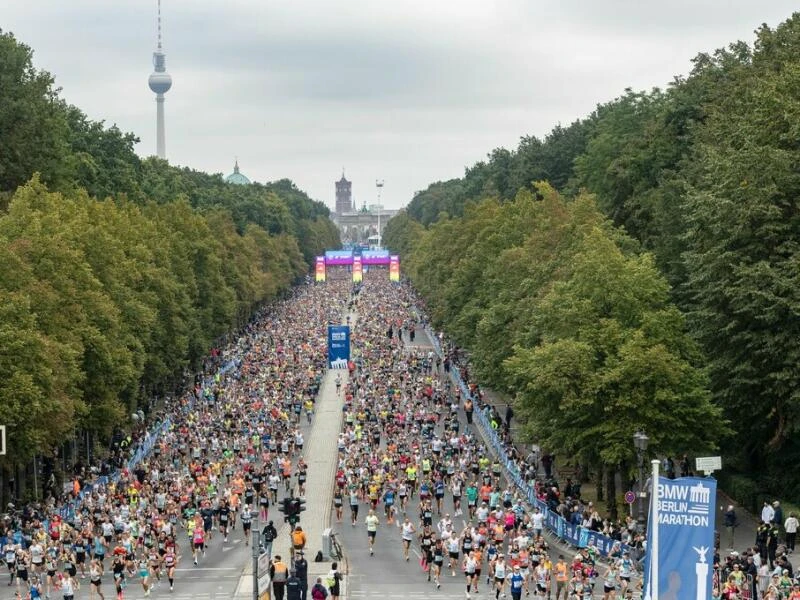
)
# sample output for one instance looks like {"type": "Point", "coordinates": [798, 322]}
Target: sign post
{"type": "Point", "coordinates": [338, 346]}
{"type": "Point", "coordinates": [630, 498]}
{"type": "Point", "coordinates": [708, 464]}
{"type": "Point", "coordinates": [681, 538]}
{"type": "Point", "coordinates": [256, 545]}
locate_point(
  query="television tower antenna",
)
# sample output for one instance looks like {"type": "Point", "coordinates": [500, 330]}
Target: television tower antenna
{"type": "Point", "coordinates": [160, 82]}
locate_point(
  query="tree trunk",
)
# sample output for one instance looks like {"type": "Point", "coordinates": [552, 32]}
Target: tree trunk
{"type": "Point", "coordinates": [599, 483]}
{"type": "Point", "coordinates": [584, 473]}
{"type": "Point", "coordinates": [611, 492]}
{"type": "Point", "coordinates": [628, 478]}
{"type": "Point", "coordinates": [20, 486]}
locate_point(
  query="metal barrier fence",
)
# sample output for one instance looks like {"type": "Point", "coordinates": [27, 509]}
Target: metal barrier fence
{"type": "Point", "coordinates": [570, 533]}
{"type": "Point", "coordinates": [745, 587]}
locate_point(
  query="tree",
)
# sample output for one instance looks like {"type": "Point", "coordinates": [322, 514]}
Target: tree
{"type": "Point", "coordinates": [742, 249]}
{"type": "Point", "coordinates": [607, 356]}
{"type": "Point", "coordinates": [32, 120]}
{"type": "Point", "coordinates": [402, 233]}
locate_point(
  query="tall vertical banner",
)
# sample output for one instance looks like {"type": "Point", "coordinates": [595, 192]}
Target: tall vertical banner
{"type": "Point", "coordinates": [394, 268]}
{"type": "Point", "coordinates": [358, 275]}
{"type": "Point", "coordinates": [319, 269]}
{"type": "Point", "coordinates": [338, 346]}
{"type": "Point", "coordinates": [685, 549]}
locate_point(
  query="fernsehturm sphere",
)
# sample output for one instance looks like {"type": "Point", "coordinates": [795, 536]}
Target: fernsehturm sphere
{"type": "Point", "coordinates": [160, 82]}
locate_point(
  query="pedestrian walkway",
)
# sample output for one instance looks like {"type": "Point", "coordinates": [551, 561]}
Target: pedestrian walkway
{"type": "Point", "coordinates": [320, 453]}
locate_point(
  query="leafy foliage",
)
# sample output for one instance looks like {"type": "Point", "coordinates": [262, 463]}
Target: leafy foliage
{"type": "Point", "coordinates": [506, 172]}
{"type": "Point", "coordinates": [563, 312]}
{"type": "Point", "coordinates": [120, 273]}
{"type": "Point", "coordinates": [703, 175]}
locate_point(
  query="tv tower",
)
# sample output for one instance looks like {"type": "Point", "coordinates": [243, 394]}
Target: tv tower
{"type": "Point", "coordinates": [160, 82]}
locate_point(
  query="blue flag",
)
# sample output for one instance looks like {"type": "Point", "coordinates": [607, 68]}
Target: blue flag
{"type": "Point", "coordinates": [685, 539]}
{"type": "Point", "coordinates": [338, 346]}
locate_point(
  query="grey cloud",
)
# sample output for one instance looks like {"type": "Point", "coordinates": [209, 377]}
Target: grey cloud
{"type": "Point", "coordinates": [410, 91]}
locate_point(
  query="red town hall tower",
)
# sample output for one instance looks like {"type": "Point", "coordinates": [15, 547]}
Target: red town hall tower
{"type": "Point", "coordinates": [344, 199]}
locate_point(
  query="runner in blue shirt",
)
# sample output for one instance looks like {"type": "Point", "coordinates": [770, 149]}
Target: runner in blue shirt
{"type": "Point", "coordinates": [518, 583]}
{"type": "Point", "coordinates": [388, 503]}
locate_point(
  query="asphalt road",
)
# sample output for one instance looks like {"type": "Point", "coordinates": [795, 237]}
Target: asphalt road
{"type": "Point", "coordinates": [215, 576]}
{"type": "Point", "coordinates": [386, 574]}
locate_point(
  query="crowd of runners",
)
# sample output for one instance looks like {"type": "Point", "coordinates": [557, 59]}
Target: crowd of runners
{"type": "Point", "coordinates": [223, 464]}
{"type": "Point", "coordinates": [410, 457]}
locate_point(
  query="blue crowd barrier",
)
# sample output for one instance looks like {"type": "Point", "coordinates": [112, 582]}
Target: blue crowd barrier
{"type": "Point", "coordinates": [575, 535]}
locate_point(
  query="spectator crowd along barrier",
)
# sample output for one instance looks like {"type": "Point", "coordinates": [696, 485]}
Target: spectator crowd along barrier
{"type": "Point", "coordinates": [567, 532]}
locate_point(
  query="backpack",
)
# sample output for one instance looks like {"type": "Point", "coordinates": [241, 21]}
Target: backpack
{"type": "Point", "coordinates": [268, 534]}
{"type": "Point", "coordinates": [318, 592]}
{"type": "Point", "coordinates": [319, 557]}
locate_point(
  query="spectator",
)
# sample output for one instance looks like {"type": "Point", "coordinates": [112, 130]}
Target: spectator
{"type": "Point", "coordinates": [790, 526]}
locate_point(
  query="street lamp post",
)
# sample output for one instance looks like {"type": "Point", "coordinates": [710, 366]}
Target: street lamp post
{"type": "Point", "coordinates": [640, 443]}
{"type": "Point", "coordinates": [379, 186]}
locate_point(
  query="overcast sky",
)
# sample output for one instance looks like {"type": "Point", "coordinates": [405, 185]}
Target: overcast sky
{"type": "Point", "coordinates": [407, 91]}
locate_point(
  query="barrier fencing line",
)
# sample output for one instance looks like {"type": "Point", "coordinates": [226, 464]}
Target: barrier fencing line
{"type": "Point", "coordinates": [575, 535]}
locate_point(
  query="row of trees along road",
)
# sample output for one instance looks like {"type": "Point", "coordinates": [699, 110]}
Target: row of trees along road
{"type": "Point", "coordinates": [703, 179]}
{"type": "Point", "coordinates": [118, 274]}
{"type": "Point", "coordinates": [560, 309]}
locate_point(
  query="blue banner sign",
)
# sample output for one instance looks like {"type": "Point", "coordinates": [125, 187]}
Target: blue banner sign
{"type": "Point", "coordinates": [338, 346]}
{"type": "Point", "coordinates": [685, 538]}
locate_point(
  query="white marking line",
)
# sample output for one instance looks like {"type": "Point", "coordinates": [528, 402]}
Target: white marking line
{"type": "Point", "coordinates": [200, 569]}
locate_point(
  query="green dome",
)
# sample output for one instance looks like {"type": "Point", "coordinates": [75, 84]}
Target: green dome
{"type": "Point", "coordinates": [237, 178]}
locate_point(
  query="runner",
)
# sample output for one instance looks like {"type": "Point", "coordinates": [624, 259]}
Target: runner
{"type": "Point", "coordinates": [247, 523]}
{"type": "Point", "coordinates": [610, 583]}
{"type": "Point", "coordinates": [69, 585]}
{"type": "Point", "coordinates": [407, 536]}
{"type": "Point", "coordinates": [517, 583]}
{"type": "Point", "coordinates": [500, 576]}
{"type": "Point", "coordinates": [95, 579]}
{"type": "Point", "coordinates": [170, 564]}
{"type": "Point", "coordinates": [372, 523]}
{"type": "Point", "coordinates": [438, 562]}
{"type": "Point", "coordinates": [470, 567]}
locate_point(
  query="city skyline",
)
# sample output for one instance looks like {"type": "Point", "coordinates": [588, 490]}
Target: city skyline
{"type": "Point", "coordinates": [408, 94]}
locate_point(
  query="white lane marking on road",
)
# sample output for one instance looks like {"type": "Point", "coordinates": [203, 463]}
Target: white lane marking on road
{"type": "Point", "coordinates": [200, 569]}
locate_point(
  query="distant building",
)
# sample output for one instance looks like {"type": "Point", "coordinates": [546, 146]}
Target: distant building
{"type": "Point", "coordinates": [344, 196]}
{"type": "Point", "coordinates": [236, 177]}
{"type": "Point", "coordinates": [363, 226]}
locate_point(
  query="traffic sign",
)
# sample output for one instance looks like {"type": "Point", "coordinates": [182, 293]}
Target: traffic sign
{"type": "Point", "coordinates": [708, 464]}
{"type": "Point", "coordinates": [630, 497]}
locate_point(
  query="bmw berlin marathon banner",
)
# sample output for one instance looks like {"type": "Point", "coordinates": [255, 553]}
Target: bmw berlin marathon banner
{"type": "Point", "coordinates": [338, 346]}
{"type": "Point", "coordinates": [685, 548]}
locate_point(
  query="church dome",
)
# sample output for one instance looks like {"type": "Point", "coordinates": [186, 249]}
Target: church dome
{"type": "Point", "coordinates": [236, 177]}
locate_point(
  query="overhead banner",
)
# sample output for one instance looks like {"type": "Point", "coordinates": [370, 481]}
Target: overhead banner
{"type": "Point", "coordinates": [319, 269]}
{"type": "Point", "coordinates": [338, 257]}
{"type": "Point", "coordinates": [394, 268]}
{"type": "Point", "coordinates": [338, 346]}
{"type": "Point", "coordinates": [358, 275]}
{"type": "Point", "coordinates": [685, 549]}
{"type": "Point", "coordinates": [375, 257]}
